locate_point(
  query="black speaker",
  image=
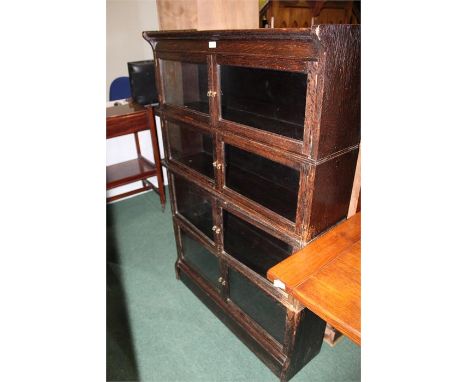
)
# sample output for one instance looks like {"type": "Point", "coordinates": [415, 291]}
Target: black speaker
{"type": "Point", "coordinates": [142, 82]}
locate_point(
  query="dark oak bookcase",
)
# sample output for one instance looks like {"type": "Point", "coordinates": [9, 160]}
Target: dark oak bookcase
{"type": "Point", "coordinates": [261, 130]}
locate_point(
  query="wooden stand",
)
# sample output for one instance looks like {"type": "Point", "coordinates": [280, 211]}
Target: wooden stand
{"type": "Point", "coordinates": [131, 119]}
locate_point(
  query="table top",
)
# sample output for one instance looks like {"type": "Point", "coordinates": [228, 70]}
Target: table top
{"type": "Point", "coordinates": [325, 276]}
{"type": "Point", "coordinates": [126, 119]}
{"type": "Point", "coordinates": [121, 110]}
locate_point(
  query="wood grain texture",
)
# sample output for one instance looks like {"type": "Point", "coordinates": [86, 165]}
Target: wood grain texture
{"type": "Point", "coordinates": [334, 100]}
{"type": "Point", "coordinates": [207, 14]}
{"type": "Point", "coordinates": [335, 292]}
{"type": "Point", "coordinates": [326, 277]}
{"type": "Point", "coordinates": [234, 34]}
{"type": "Point", "coordinates": [324, 156]}
{"type": "Point", "coordinates": [333, 184]}
{"type": "Point", "coordinates": [339, 73]}
{"type": "Point", "coordinates": [125, 119]}
{"type": "Point", "coordinates": [227, 14]}
{"type": "Point", "coordinates": [177, 14]}
{"type": "Point", "coordinates": [272, 48]}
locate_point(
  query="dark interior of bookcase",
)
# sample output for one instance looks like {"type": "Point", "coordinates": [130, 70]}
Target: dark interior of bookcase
{"type": "Point", "coordinates": [270, 100]}
{"type": "Point", "coordinates": [266, 182]}
{"type": "Point", "coordinates": [192, 147]}
{"type": "Point", "coordinates": [199, 258]}
{"type": "Point", "coordinates": [252, 246]}
{"type": "Point", "coordinates": [195, 205]}
{"type": "Point", "coordinates": [186, 84]}
{"type": "Point", "coordinates": [266, 311]}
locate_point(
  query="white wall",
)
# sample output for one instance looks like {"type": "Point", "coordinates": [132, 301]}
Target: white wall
{"type": "Point", "coordinates": [125, 21]}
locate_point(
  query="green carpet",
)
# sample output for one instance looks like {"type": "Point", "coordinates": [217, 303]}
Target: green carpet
{"type": "Point", "coordinates": [157, 330]}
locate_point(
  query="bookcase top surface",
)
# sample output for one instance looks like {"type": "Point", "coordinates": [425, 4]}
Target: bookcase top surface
{"type": "Point", "coordinates": [311, 34]}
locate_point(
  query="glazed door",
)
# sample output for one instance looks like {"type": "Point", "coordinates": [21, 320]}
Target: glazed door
{"type": "Point", "coordinates": [185, 84]}
{"type": "Point", "coordinates": [267, 183]}
{"type": "Point", "coordinates": [268, 313]}
{"type": "Point", "coordinates": [253, 247]}
{"type": "Point", "coordinates": [253, 252]}
{"type": "Point", "coordinates": [191, 146]}
{"type": "Point", "coordinates": [265, 99]}
{"type": "Point", "coordinates": [264, 103]}
{"type": "Point", "coordinates": [201, 258]}
{"type": "Point", "coordinates": [194, 206]}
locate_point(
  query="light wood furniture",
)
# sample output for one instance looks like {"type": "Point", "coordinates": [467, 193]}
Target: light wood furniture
{"type": "Point", "coordinates": [207, 14]}
{"type": "Point", "coordinates": [126, 119]}
{"type": "Point", "coordinates": [261, 130]}
{"type": "Point", "coordinates": [326, 277]}
{"type": "Point", "coordinates": [354, 203]}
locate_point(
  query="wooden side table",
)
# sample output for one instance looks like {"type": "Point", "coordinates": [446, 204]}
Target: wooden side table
{"type": "Point", "coordinates": [130, 119]}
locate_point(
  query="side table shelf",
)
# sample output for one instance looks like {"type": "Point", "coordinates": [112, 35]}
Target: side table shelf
{"type": "Point", "coordinates": [130, 119]}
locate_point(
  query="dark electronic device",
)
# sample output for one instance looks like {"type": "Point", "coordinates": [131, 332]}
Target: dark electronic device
{"type": "Point", "coordinates": [142, 82]}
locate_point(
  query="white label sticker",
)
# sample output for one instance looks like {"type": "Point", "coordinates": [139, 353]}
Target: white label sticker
{"type": "Point", "coordinates": [212, 44]}
{"type": "Point", "coordinates": [279, 284]}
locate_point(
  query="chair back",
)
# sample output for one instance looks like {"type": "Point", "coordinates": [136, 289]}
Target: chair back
{"type": "Point", "coordinates": [120, 89]}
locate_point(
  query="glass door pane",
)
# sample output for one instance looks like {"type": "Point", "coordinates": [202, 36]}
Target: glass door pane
{"type": "Point", "coordinates": [252, 246]}
{"type": "Point", "coordinates": [191, 147]}
{"type": "Point", "coordinates": [269, 183]}
{"type": "Point", "coordinates": [270, 100]}
{"type": "Point", "coordinates": [194, 205]}
{"type": "Point", "coordinates": [200, 259]}
{"type": "Point", "coordinates": [185, 84]}
{"type": "Point", "coordinates": [266, 311]}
